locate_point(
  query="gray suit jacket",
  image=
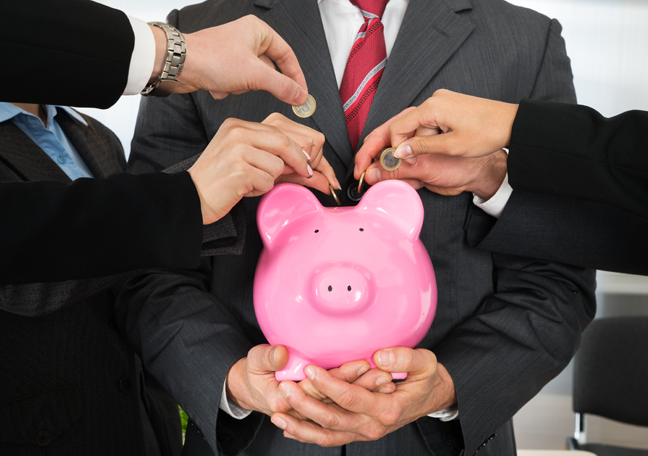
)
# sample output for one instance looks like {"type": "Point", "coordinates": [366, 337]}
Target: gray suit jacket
{"type": "Point", "coordinates": [504, 326]}
{"type": "Point", "coordinates": [69, 383]}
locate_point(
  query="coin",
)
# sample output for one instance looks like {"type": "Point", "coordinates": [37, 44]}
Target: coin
{"type": "Point", "coordinates": [361, 181]}
{"type": "Point", "coordinates": [388, 161]}
{"type": "Point", "coordinates": [307, 109]}
{"type": "Point", "coordinates": [337, 200]}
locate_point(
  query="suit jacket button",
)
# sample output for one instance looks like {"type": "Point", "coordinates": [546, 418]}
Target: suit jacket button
{"type": "Point", "coordinates": [352, 192]}
{"type": "Point", "coordinates": [125, 384]}
{"type": "Point", "coordinates": [43, 438]}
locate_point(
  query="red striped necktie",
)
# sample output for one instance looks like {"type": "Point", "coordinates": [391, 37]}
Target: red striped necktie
{"type": "Point", "coordinates": [364, 68]}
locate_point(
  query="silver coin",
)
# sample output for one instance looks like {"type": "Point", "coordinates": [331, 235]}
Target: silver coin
{"type": "Point", "coordinates": [388, 161]}
{"type": "Point", "coordinates": [307, 109]}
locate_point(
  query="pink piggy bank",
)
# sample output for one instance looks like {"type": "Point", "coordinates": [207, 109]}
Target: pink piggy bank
{"type": "Point", "coordinates": [335, 285]}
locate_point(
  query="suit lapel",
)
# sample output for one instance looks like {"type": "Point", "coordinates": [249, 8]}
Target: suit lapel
{"type": "Point", "coordinates": [431, 33]}
{"type": "Point", "coordinates": [25, 158]}
{"type": "Point", "coordinates": [300, 24]}
{"type": "Point", "coordinates": [96, 156]}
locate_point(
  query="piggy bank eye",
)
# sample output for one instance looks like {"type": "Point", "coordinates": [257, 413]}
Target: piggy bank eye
{"type": "Point", "coordinates": [361, 229]}
{"type": "Point", "coordinates": [349, 288]}
{"type": "Point", "coordinates": [330, 288]}
{"type": "Point", "coordinates": [317, 231]}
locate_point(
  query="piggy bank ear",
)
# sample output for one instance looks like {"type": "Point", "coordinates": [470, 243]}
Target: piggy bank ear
{"type": "Point", "coordinates": [281, 205]}
{"type": "Point", "coordinates": [398, 201]}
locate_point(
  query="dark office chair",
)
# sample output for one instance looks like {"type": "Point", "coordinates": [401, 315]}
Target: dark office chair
{"type": "Point", "coordinates": [611, 379]}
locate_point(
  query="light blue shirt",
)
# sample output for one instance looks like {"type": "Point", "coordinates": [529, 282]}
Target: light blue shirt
{"type": "Point", "coordinates": [51, 138]}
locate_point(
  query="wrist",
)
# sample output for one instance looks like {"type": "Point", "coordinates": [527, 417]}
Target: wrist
{"type": "Point", "coordinates": [160, 53]}
{"type": "Point", "coordinates": [237, 390]}
{"type": "Point", "coordinates": [509, 111]}
{"type": "Point", "coordinates": [490, 176]}
{"type": "Point", "coordinates": [445, 394]}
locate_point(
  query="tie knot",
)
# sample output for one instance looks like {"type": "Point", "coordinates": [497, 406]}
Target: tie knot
{"type": "Point", "coordinates": [371, 8]}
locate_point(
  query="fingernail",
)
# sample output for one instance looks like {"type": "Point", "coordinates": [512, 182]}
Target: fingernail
{"type": "Point", "coordinates": [386, 357]}
{"type": "Point", "coordinates": [310, 170]}
{"type": "Point", "coordinates": [382, 381]}
{"type": "Point", "coordinates": [285, 390]}
{"type": "Point", "coordinates": [273, 355]}
{"type": "Point", "coordinates": [374, 175]}
{"type": "Point", "coordinates": [403, 151]}
{"type": "Point", "coordinates": [385, 390]}
{"type": "Point", "coordinates": [299, 92]}
{"type": "Point", "coordinates": [289, 436]}
{"type": "Point", "coordinates": [310, 373]}
{"type": "Point", "coordinates": [281, 424]}
{"type": "Point", "coordinates": [337, 182]}
{"type": "Point", "coordinates": [306, 153]}
{"type": "Point", "coordinates": [413, 160]}
{"type": "Point", "coordinates": [362, 370]}
{"type": "Point", "coordinates": [355, 170]}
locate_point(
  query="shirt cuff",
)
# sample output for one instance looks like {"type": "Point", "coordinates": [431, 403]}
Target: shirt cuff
{"type": "Point", "coordinates": [447, 414]}
{"type": "Point", "coordinates": [142, 59]}
{"type": "Point", "coordinates": [495, 206]}
{"type": "Point", "coordinates": [232, 410]}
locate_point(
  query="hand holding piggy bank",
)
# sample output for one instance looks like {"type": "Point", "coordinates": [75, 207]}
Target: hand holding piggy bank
{"type": "Point", "coordinates": [335, 285]}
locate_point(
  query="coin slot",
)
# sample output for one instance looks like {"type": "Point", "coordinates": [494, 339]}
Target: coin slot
{"type": "Point", "coordinates": [330, 288]}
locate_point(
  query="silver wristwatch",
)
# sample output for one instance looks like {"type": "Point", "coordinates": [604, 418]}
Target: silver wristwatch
{"type": "Point", "coordinates": [176, 52]}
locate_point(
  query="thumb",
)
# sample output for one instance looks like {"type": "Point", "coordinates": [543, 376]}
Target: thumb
{"type": "Point", "coordinates": [281, 86]}
{"type": "Point", "coordinates": [267, 358]}
{"type": "Point", "coordinates": [420, 145]}
{"type": "Point", "coordinates": [403, 359]}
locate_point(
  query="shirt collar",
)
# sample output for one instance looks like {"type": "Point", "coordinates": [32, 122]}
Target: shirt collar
{"type": "Point", "coordinates": [9, 111]}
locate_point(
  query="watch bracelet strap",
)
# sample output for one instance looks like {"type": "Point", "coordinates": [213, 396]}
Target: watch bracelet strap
{"type": "Point", "coordinates": [176, 52]}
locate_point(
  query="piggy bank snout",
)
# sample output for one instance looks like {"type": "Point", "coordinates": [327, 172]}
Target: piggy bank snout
{"type": "Point", "coordinates": [341, 288]}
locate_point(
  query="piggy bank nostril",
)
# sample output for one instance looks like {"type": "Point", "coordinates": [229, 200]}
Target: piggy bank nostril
{"type": "Point", "coordinates": [349, 288]}
{"type": "Point", "coordinates": [330, 288]}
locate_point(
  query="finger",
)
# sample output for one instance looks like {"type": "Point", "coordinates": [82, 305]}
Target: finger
{"type": "Point", "coordinates": [318, 181]}
{"type": "Point", "coordinates": [258, 182]}
{"type": "Point", "coordinates": [266, 358]}
{"type": "Point", "coordinates": [267, 61]}
{"type": "Point", "coordinates": [264, 161]}
{"type": "Point", "coordinates": [326, 169]}
{"type": "Point", "coordinates": [312, 141]}
{"type": "Point", "coordinates": [374, 143]}
{"type": "Point", "coordinates": [429, 144]}
{"type": "Point", "coordinates": [348, 372]}
{"type": "Point", "coordinates": [218, 95]}
{"type": "Point", "coordinates": [376, 380]}
{"type": "Point", "coordinates": [280, 145]}
{"type": "Point", "coordinates": [349, 397]}
{"type": "Point", "coordinates": [403, 359]}
{"type": "Point", "coordinates": [308, 432]}
{"type": "Point", "coordinates": [406, 126]}
{"type": "Point", "coordinates": [329, 416]}
{"type": "Point", "coordinates": [405, 171]}
{"type": "Point", "coordinates": [278, 50]}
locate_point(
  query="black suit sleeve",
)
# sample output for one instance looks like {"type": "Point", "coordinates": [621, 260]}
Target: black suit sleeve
{"type": "Point", "coordinates": [91, 227]}
{"type": "Point", "coordinates": [577, 232]}
{"type": "Point", "coordinates": [591, 178]}
{"type": "Point", "coordinates": [573, 151]}
{"type": "Point", "coordinates": [67, 52]}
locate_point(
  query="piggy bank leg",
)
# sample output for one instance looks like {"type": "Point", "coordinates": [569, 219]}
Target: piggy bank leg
{"type": "Point", "coordinates": [294, 370]}
{"type": "Point", "coordinates": [395, 375]}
